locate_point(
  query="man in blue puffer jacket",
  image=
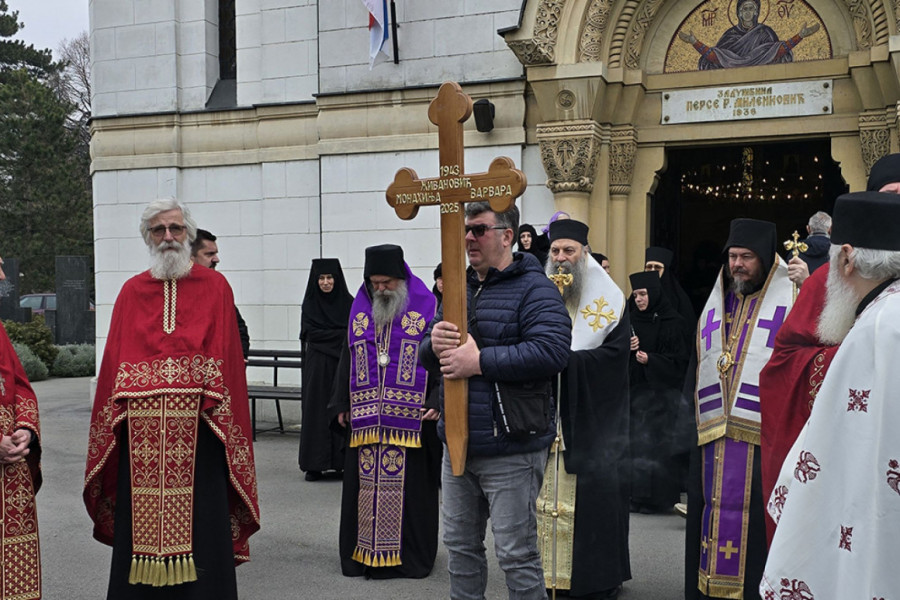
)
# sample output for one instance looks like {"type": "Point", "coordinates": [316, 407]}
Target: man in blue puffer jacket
{"type": "Point", "coordinates": [524, 334]}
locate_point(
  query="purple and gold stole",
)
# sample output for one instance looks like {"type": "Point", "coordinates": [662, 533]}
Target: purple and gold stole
{"type": "Point", "coordinates": [385, 416]}
{"type": "Point", "coordinates": [728, 417]}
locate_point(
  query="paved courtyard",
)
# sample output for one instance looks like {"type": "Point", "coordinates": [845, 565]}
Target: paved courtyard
{"type": "Point", "coordinates": [295, 553]}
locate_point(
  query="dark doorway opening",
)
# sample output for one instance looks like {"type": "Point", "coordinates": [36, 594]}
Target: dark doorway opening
{"type": "Point", "coordinates": [703, 189]}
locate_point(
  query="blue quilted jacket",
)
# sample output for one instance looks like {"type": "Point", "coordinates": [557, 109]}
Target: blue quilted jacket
{"type": "Point", "coordinates": [525, 334]}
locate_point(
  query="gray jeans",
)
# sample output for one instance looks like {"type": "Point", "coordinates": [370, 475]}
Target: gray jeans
{"type": "Point", "coordinates": [504, 488]}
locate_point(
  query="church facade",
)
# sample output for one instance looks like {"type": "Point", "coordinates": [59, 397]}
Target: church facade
{"type": "Point", "coordinates": [265, 118]}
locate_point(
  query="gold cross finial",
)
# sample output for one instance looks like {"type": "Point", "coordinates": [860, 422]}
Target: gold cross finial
{"type": "Point", "coordinates": [562, 280]}
{"type": "Point", "coordinates": [795, 246]}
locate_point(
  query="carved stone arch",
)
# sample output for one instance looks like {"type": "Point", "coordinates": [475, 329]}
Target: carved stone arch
{"type": "Point", "coordinates": [880, 28]}
{"type": "Point", "coordinates": [862, 22]}
{"type": "Point", "coordinates": [538, 46]}
{"type": "Point", "coordinates": [595, 29]}
{"type": "Point", "coordinates": [620, 31]}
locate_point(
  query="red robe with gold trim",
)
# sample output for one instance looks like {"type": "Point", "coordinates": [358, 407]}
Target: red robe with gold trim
{"type": "Point", "coordinates": [199, 355]}
{"type": "Point", "coordinates": [20, 558]}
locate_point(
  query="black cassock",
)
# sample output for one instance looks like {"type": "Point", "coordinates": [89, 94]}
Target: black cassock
{"type": "Point", "coordinates": [323, 332]}
{"type": "Point", "coordinates": [321, 449]}
{"type": "Point", "coordinates": [655, 397]}
{"type": "Point", "coordinates": [419, 533]}
{"type": "Point", "coordinates": [594, 412]}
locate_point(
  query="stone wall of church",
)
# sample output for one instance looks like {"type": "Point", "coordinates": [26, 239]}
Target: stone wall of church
{"type": "Point", "coordinates": [157, 56]}
{"type": "Point", "coordinates": [277, 50]}
{"type": "Point", "coordinates": [438, 41]}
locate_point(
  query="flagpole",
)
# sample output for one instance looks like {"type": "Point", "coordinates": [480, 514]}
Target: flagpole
{"type": "Point", "coordinates": [394, 32]}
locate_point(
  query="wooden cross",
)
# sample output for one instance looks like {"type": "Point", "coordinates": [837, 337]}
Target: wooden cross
{"type": "Point", "coordinates": [501, 185]}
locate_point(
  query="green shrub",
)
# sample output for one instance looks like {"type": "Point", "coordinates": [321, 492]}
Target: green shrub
{"type": "Point", "coordinates": [36, 335]}
{"type": "Point", "coordinates": [74, 360]}
{"type": "Point", "coordinates": [35, 368]}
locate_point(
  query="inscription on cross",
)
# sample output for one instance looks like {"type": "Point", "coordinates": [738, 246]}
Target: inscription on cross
{"type": "Point", "coordinates": [500, 185]}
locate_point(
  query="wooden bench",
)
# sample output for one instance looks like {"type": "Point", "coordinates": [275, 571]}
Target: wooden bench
{"type": "Point", "coordinates": [274, 359]}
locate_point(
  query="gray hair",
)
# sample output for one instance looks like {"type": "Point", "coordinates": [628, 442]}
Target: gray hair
{"type": "Point", "coordinates": [820, 223]}
{"type": "Point", "coordinates": [161, 205]}
{"type": "Point", "coordinates": [873, 264]}
{"type": "Point", "coordinates": [508, 219]}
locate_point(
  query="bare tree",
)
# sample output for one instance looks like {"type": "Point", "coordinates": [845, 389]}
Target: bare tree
{"type": "Point", "coordinates": [73, 83]}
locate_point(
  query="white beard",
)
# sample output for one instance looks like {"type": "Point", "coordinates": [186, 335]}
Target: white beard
{"type": "Point", "coordinates": [571, 294]}
{"type": "Point", "coordinates": [839, 312]}
{"type": "Point", "coordinates": [170, 264]}
{"type": "Point", "coordinates": [386, 304]}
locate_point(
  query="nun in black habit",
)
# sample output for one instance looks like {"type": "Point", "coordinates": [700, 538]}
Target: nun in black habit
{"type": "Point", "coordinates": [656, 368]}
{"type": "Point", "coordinates": [529, 243]}
{"type": "Point", "coordinates": [323, 332]}
{"type": "Point", "coordinates": [659, 260]}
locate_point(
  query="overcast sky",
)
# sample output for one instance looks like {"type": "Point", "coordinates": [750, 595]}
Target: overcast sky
{"type": "Point", "coordinates": [47, 22]}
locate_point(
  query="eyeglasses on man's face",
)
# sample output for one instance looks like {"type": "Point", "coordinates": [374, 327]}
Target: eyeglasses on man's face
{"type": "Point", "coordinates": [480, 230]}
{"type": "Point", "coordinates": [160, 230]}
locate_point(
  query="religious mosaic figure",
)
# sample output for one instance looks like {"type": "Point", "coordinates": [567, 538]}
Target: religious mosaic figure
{"type": "Point", "coordinates": [749, 43]}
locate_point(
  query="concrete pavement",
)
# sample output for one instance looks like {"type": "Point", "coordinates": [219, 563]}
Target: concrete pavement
{"type": "Point", "coordinates": [295, 553]}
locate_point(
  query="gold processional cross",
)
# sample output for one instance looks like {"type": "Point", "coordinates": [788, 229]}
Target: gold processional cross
{"type": "Point", "coordinates": [501, 185]}
{"type": "Point", "coordinates": [795, 247]}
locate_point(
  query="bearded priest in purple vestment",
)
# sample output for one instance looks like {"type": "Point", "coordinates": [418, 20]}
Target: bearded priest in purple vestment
{"type": "Point", "coordinates": [725, 541]}
{"type": "Point", "coordinates": [389, 505]}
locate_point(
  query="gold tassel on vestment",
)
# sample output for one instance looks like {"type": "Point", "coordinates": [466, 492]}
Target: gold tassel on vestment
{"type": "Point", "coordinates": [191, 574]}
{"type": "Point", "coordinates": [407, 439]}
{"type": "Point", "coordinates": [364, 437]}
{"type": "Point", "coordinates": [132, 574]}
{"type": "Point", "coordinates": [160, 571]}
{"type": "Point", "coordinates": [377, 559]}
{"type": "Point", "coordinates": [179, 570]}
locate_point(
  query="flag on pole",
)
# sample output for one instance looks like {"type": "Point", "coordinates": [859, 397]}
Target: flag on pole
{"type": "Point", "coordinates": [378, 31]}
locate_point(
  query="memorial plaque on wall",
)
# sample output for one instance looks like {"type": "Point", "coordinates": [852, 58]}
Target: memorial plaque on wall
{"type": "Point", "coordinates": [739, 102]}
{"type": "Point", "coordinates": [72, 299]}
{"type": "Point", "coordinates": [9, 291]}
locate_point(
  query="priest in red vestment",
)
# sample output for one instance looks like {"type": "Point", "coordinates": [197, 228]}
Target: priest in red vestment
{"type": "Point", "coordinates": [20, 476]}
{"type": "Point", "coordinates": [170, 480]}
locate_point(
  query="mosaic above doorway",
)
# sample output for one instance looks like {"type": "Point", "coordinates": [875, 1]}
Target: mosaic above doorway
{"type": "Point", "coordinates": [725, 34]}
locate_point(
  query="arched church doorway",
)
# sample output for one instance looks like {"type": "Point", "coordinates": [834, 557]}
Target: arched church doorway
{"type": "Point", "coordinates": [703, 189]}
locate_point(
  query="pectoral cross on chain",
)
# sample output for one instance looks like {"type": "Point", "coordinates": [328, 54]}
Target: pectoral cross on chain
{"type": "Point", "coordinates": [561, 280]}
{"type": "Point", "coordinates": [501, 185]}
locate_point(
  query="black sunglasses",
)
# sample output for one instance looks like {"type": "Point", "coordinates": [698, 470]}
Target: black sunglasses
{"type": "Point", "coordinates": [480, 230]}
